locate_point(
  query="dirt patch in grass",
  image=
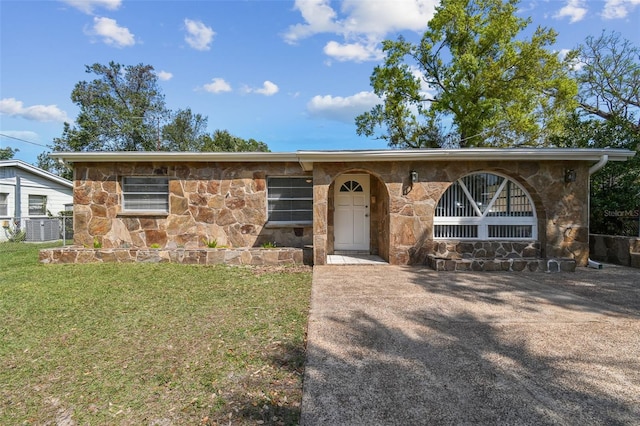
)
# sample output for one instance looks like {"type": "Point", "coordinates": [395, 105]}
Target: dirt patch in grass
{"type": "Point", "coordinates": [156, 344]}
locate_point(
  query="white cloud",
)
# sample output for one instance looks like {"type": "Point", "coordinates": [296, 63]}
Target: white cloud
{"type": "Point", "coordinates": [164, 75]}
{"type": "Point", "coordinates": [357, 52]}
{"type": "Point", "coordinates": [217, 85]}
{"type": "Point", "coordinates": [362, 24]}
{"type": "Point", "coordinates": [319, 18]}
{"type": "Point", "coordinates": [382, 17]}
{"type": "Point", "coordinates": [268, 89]}
{"type": "Point", "coordinates": [199, 35]}
{"type": "Point", "coordinates": [87, 6]}
{"type": "Point", "coordinates": [111, 33]}
{"type": "Point", "coordinates": [614, 9]}
{"type": "Point", "coordinates": [42, 113]}
{"type": "Point", "coordinates": [342, 108]}
{"type": "Point", "coordinates": [574, 10]}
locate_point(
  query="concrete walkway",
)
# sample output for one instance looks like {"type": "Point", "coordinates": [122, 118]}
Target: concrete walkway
{"type": "Point", "coordinates": [392, 345]}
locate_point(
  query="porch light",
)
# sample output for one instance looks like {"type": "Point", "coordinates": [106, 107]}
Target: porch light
{"type": "Point", "coordinates": [569, 175]}
{"type": "Point", "coordinates": [413, 176]}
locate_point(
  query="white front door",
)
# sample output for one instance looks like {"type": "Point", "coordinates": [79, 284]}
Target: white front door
{"type": "Point", "coordinates": [351, 217]}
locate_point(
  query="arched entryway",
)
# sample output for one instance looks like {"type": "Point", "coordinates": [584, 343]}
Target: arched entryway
{"type": "Point", "coordinates": [358, 214]}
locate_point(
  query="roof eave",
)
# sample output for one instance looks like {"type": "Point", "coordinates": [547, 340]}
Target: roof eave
{"type": "Point", "coordinates": [308, 158]}
{"type": "Point", "coordinates": [38, 171]}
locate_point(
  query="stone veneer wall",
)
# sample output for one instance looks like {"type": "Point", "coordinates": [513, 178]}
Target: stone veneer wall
{"type": "Point", "coordinates": [255, 256]}
{"type": "Point", "coordinates": [615, 249]}
{"type": "Point", "coordinates": [222, 201]}
{"type": "Point", "coordinates": [561, 207]}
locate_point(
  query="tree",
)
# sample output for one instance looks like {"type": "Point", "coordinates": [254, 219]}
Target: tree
{"type": "Point", "coordinates": [7, 153]}
{"type": "Point", "coordinates": [49, 164]}
{"type": "Point", "coordinates": [471, 68]}
{"type": "Point", "coordinates": [222, 140]}
{"type": "Point", "coordinates": [121, 110]}
{"type": "Point", "coordinates": [185, 132]}
{"type": "Point", "coordinates": [616, 187]}
{"type": "Point", "coordinates": [609, 78]}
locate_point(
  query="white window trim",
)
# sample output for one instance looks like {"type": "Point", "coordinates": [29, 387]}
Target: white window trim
{"type": "Point", "coordinates": [483, 221]}
{"type": "Point", "coordinates": [123, 194]}
{"type": "Point", "coordinates": [4, 204]}
{"type": "Point", "coordinates": [44, 205]}
{"type": "Point", "coordinates": [288, 223]}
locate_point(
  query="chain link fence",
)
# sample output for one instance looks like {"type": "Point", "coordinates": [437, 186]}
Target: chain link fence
{"type": "Point", "coordinates": [37, 230]}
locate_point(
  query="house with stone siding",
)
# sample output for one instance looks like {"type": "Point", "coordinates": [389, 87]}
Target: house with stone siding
{"type": "Point", "coordinates": [453, 209]}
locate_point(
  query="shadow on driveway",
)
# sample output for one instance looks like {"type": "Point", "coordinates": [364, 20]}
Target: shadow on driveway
{"type": "Point", "coordinates": [406, 345]}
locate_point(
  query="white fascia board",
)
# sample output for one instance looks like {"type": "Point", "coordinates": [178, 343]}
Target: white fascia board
{"type": "Point", "coordinates": [308, 158]}
{"type": "Point", "coordinates": [133, 156]}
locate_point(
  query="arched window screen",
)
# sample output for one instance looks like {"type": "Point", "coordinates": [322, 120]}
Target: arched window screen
{"type": "Point", "coordinates": [485, 206]}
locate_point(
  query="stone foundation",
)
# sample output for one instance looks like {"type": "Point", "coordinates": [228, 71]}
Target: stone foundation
{"type": "Point", "coordinates": [486, 249]}
{"type": "Point", "coordinates": [248, 256]}
{"type": "Point", "coordinates": [505, 265]}
{"type": "Point", "coordinates": [511, 256]}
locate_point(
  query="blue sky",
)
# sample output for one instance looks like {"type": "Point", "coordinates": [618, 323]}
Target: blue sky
{"type": "Point", "coordinates": [292, 74]}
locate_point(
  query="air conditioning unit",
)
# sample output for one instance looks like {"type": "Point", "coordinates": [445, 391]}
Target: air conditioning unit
{"type": "Point", "coordinates": [43, 230]}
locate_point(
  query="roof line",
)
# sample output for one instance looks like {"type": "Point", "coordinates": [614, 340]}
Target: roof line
{"type": "Point", "coordinates": [308, 158]}
{"type": "Point", "coordinates": [36, 170]}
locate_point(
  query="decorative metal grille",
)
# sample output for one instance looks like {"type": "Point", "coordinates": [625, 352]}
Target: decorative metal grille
{"type": "Point", "coordinates": [485, 205]}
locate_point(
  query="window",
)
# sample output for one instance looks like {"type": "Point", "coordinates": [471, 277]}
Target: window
{"type": "Point", "coordinates": [37, 205]}
{"type": "Point", "coordinates": [351, 186]}
{"type": "Point", "coordinates": [4, 204]}
{"type": "Point", "coordinates": [146, 194]}
{"type": "Point", "coordinates": [290, 200]}
{"type": "Point", "coordinates": [485, 206]}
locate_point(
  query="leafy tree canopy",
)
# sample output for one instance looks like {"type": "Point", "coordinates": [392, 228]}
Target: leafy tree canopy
{"type": "Point", "coordinates": [616, 187]}
{"type": "Point", "coordinates": [7, 153]}
{"type": "Point", "coordinates": [187, 132]}
{"type": "Point", "coordinates": [473, 69]}
{"type": "Point", "coordinates": [119, 111]}
{"type": "Point", "coordinates": [123, 109]}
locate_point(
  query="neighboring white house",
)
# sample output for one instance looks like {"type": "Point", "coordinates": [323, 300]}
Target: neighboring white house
{"type": "Point", "coordinates": [29, 196]}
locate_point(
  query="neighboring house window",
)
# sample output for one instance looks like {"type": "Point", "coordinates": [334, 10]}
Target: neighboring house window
{"type": "Point", "coordinates": [149, 194]}
{"type": "Point", "coordinates": [37, 205]}
{"type": "Point", "coordinates": [485, 206]}
{"type": "Point", "coordinates": [4, 204]}
{"type": "Point", "coordinates": [290, 200]}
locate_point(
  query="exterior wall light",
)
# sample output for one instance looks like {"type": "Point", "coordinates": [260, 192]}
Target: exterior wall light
{"type": "Point", "coordinates": [413, 176]}
{"type": "Point", "coordinates": [569, 175]}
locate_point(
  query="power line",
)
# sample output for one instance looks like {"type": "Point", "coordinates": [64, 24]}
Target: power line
{"type": "Point", "coordinates": [22, 140]}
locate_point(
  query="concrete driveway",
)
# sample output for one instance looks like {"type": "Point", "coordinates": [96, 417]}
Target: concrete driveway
{"type": "Point", "coordinates": [392, 345]}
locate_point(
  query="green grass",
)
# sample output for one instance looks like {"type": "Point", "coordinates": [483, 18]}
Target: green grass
{"type": "Point", "coordinates": [149, 343]}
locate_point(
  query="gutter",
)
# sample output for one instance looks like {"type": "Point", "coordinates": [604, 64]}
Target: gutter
{"type": "Point", "coordinates": [599, 165]}
{"type": "Point", "coordinates": [604, 159]}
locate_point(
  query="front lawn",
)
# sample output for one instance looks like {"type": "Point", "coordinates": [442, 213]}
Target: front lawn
{"type": "Point", "coordinates": [154, 344]}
